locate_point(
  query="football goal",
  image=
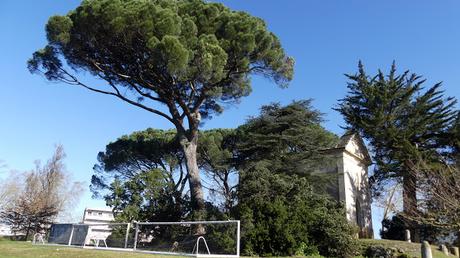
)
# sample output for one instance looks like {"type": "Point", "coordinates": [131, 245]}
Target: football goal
{"type": "Point", "coordinates": [107, 235]}
{"type": "Point", "coordinates": [190, 238]}
{"type": "Point", "coordinates": [187, 238]}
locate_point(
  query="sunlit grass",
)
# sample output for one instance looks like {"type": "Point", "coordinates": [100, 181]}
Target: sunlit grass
{"type": "Point", "coordinates": [19, 249]}
{"type": "Point", "coordinates": [412, 249]}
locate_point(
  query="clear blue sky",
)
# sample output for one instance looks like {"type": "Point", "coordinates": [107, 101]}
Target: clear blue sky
{"type": "Point", "coordinates": [326, 38]}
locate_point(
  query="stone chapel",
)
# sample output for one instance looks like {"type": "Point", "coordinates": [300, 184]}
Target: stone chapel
{"type": "Point", "coordinates": [349, 161]}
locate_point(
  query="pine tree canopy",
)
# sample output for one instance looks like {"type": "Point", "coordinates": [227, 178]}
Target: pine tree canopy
{"type": "Point", "coordinates": [181, 60]}
{"type": "Point", "coordinates": [188, 54]}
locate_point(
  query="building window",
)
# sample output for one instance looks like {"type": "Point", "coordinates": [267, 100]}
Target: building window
{"type": "Point", "coordinates": [100, 214]}
{"type": "Point", "coordinates": [89, 213]}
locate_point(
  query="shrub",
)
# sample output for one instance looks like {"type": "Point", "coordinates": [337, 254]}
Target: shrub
{"type": "Point", "coordinates": [281, 215]}
{"type": "Point", "coordinates": [394, 228]}
{"type": "Point", "coordinates": [377, 251]}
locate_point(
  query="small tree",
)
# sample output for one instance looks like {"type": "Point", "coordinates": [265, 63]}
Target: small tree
{"type": "Point", "coordinates": [177, 59]}
{"type": "Point", "coordinates": [216, 156]}
{"type": "Point", "coordinates": [45, 192]}
{"type": "Point", "coordinates": [143, 175]}
{"type": "Point", "coordinates": [136, 165]}
{"type": "Point", "coordinates": [9, 189]}
{"type": "Point", "coordinates": [439, 202]}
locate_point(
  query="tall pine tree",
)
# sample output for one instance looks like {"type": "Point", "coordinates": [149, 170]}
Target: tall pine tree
{"type": "Point", "coordinates": [180, 60]}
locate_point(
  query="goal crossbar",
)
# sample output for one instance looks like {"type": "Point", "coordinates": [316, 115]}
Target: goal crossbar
{"type": "Point", "coordinates": [189, 222]}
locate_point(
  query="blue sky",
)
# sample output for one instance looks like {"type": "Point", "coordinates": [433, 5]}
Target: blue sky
{"type": "Point", "coordinates": [326, 38]}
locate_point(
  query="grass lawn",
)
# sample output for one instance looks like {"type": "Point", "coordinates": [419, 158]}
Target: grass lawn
{"type": "Point", "coordinates": [19, 249]}
{"type": "Point", "coordinates": [412, 249]}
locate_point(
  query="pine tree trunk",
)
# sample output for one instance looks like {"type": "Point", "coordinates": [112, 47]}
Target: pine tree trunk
{"type": "Point", "coordinates": [227, 193]}
{"type": "Point", "coordinates": [196, 190]}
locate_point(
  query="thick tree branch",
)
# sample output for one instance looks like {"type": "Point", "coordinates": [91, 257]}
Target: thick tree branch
{"type": "Point", "coordinates": [117, 94]}
{"type": "Point", "coordinates": [129, 80]}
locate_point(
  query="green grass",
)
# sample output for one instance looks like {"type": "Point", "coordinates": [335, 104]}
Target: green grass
{"type": "Point", "coordinates": [412, 249]}
{"type": "Point", "coordinates": [19, 249]}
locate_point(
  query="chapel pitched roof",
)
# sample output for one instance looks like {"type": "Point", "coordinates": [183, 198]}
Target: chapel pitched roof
{"type": "Point", "coordinates": [345, 139]}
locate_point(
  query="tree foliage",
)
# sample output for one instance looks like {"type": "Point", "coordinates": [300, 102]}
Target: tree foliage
{"type": "Point", "coordinates": [259, 172]}
{"type": "Point", "coordinates": [216, 157]}
{"type": "Point", "coordinates": [160, 46]}
{"type": "Point", "coordinates": [440, 195]}
{"type": "Point", "coordinates": [8, 189]}
{"type": "Point", "coordinates": [138, 170]}
{"type": "Point", "coordinates": [143, 175]}
{"type": "Point", "coordinates": [289, 137]}
{"type": "Point", "coordinates": [282, 215]}
{"type": "Point", "coordinates": [281, 212]}
{"type": "Point", "coordinates": [177, 59]}
{"type": "Point", "coordinates": [402, 120]}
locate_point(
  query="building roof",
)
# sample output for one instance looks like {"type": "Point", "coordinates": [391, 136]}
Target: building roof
{"type": "Point", "coordinates": [346, 139]}
{"type": "Point", "coordinates": [104, 209]}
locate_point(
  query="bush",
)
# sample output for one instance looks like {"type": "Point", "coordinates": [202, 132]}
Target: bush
{"type": "Point", "coordinates": [385, 249]}
{"type": "Point", "coordinates": [377, 251]}
{"type": "Point", "coordinates": [281, 215]}
{"type": "Point", "coordinates": [394, 228]}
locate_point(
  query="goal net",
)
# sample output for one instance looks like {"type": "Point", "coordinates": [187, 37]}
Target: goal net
{"type": "Point", "coordinates": [109, 235]}
{"type": "Point", "coordinates": [103, 235]}
{"type": "Point", "coordinates": [189, 238]}
{"type": "Point", "coordinates": [193, 238]}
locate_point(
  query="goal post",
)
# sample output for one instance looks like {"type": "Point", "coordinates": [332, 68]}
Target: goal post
{"type": "Point", "coordinates": [218, 239]}
{"type": "Point", "coordinates": [185, 238]}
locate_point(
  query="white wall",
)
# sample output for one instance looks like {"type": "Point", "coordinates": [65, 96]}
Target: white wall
{"type": "Point", "coordinates": [95, 217]}
{"type": "Point", "coordinates": [5, 230]}
{"type": "Point", "coordinates": [357, 192]}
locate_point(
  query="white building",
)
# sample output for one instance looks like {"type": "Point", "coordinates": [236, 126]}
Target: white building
{"type": "Point", "coordinates": [5, 230]}
{"type": "Point", "coordinates": [349, 160]}
{"type": "Point", "coordinates": [96, 217]}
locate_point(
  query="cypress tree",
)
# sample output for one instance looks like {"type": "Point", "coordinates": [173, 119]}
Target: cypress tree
{"type": "Point", "coordinates": [402, 121]}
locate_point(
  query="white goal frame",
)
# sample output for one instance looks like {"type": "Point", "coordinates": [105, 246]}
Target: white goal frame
{"type": "Point", "coordinates": [39, 238]}
{"type": "Point", "coordinates": [197, 254]}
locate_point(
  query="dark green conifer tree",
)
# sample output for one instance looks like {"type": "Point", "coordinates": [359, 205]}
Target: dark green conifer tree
{"type": "Point", "coordinates": [402, 120]}
{"type": "Point", "coordinates": [279, 199]}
